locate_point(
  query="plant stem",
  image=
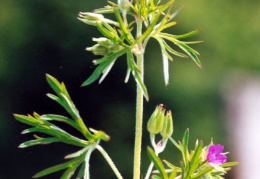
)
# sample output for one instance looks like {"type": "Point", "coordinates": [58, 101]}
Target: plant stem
{"type": "Point", "coordinates": [149, 171]}
{"type": "Point", "coordinates": [109, 161]}
{"type": "Point", "coordinates": [139, 106]}
{"type": "Point", "coordinates": [87, 158]}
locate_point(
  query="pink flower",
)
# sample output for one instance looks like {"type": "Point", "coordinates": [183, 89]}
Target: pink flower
{"type": "Point", "coordinates": [214, 154]}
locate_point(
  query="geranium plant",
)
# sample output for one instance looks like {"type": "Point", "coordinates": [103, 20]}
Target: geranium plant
{"type": "Point", "coordinates": [151, 19]}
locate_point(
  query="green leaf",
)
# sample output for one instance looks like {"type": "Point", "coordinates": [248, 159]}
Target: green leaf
{"type": "Point", "coordinates": [55, 98]}
{"type": "Point", "coordinates": [54, 117]}
{"type": "Point", "coordinates": [157, 162]}
{"type": "Point", "coordinates": [169, 49]}
{"type": "Point", "coordinates": [70, 164]}
{"type": "Point", "coordinates": [156, 2]}
{"type": "Point", "coordinates": [165, 68]}
{"type": "Point", "coordinates": [128, 36]}
{"type": "Point", "coordinates": [27, 120]}
{"type": "Point", "coordinates": [159, 27]}
{"type": "Point", "coordinates": [182, 170]}
{"type": "Point", "coordinates": [202, 172]}
{"type": "Point", "coordinates": [171, 166]}
{"type": "Point", "coordinates": [113, 4]}
{"type": "Point", "coordinates": [106, 9]}
{"type": "Point", "coordinates": [127, 75]}
{"type": "Point", "coordinates": [194, 32]}
{"type": "Point", "coordinates": [52, 170]}
{"type": "Point", "coordinates": [175, 143]}
{"type": "Point", "coordinates": [98, 71]}
{"type": "Point", "coordinates": [106, 61]}
{"type": "Point", "coordinates": [191, 53]}
{"type": "Point", "coordinates": [195, 159]}
{"type": "Point", "coordinates": [185, 153]}
{"type": "Point", "coordinates": [84, 129]}
{"type": "Point", "coordinates": [70, 107]}
{"type": "Point", "coordinates": [71, 170]}
{"type": "Point", "coordinates": [173, 174]}
{"type": "Point", "coordinates": [170, 24]}
{"type": "Point", "coordinates": [54, 83]}
{"type": "Point", "coordinates": [81, 171]}
{"type": "Point", "coordinates": [33, 129]}
{"type": "Point", "coordinates": [165, 57]}
{"type": "Point", "coordinates": [112, 56]}
{"type": "Point", "coordinates": [229, 164]}
{"type": "Point", "coordinates": [156, 177]}
{"type": "Point", "coordinates": [109, 34]}
{"type": "Point", "coordinates": [176, 12]}
{"type": "Point", "coordinates": [48, 128]}
{"type": "Point", "coordinates": [107, 70]}
{"type": "Point", "coordinates": [78, 153]}
{"type": "Point", "coordinates": [39, 142]}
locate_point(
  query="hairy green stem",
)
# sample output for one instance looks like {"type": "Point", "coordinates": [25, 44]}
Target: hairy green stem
{"type": "Point", "coordinates": [139, 106]}
{"type": "Point", "coordinates": [109, 161]}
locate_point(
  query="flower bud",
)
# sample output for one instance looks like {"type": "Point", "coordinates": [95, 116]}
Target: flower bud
{"type": "Point", "coordinates": [123, 6]}
{"type": "Point", "coordinates": [167, 128]}
{"type": "Point", "coordinates": [90, 18]}
{"type": "Point", "coordinates": [155, 122]}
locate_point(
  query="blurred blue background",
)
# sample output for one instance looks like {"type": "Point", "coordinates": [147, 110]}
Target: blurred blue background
{"type": "Point", "coordinates": [43, 36]}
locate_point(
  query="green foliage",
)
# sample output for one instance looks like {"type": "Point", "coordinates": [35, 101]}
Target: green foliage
{"type": "Point", "coordinates": [42, 124]}
{"type": "Point", "coordinates": [150, 12]}
{"type": "Point", "coordinates": [119, 41]}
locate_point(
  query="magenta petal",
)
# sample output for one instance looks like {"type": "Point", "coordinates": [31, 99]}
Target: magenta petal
{"type": "Point", "coordinates": [214, 154]}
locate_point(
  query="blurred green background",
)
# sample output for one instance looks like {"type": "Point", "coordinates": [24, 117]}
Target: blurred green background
{"type": "Point", "coordinates": [43, 36]}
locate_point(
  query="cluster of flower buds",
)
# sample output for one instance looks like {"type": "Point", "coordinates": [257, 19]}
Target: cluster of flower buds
{"type": "Point", "coordinates": [159, 122]}
{"type": "Point", "coordinates": [104, 47]}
